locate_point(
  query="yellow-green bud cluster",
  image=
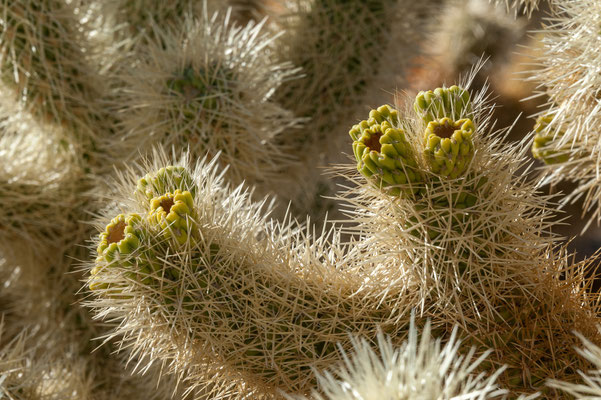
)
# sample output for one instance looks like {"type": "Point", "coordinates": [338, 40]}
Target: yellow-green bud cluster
{"type": "Point", "coordinates": [120, 238]}
{"type": "Point", "coordinates": [128, 242]}
{"type": "Point", "coordinates": [173, 213]}
{"type": "Point", "coordinates": [453, 102]}
{"type": "Point", "coordinates": [118, 243]}
{"type": "Point", "coordinates": [448, 146]}
{"type": "Point", "coordinates": [166, 180]}
{"type": "Point", "coordinates": [383, 152]}
{"type": "Point", "coordinates": [542, 145]}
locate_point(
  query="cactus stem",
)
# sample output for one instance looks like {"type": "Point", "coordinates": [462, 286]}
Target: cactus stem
{"type": "Point", "coordinates": [373, 143]}
{"type": "Point", "coordinates": [116, 233]}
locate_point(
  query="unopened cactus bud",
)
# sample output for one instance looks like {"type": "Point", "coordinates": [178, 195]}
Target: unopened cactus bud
{"type": "Point", "coordinates": [383, 153]}
{"type": "Point", "coordinates": [448, 146]}
{"type": "Point", "coordinates": [120, 239]}
{"type": "Point", "coordinates": [174, 214]}
{"type": "Point", "coordinates": [166, 180]}
{"type": "Point", "coordinates": [453, 103]}
{"type": "Point", "coordinates": [119, 246]}
{"type": "Point", "coordinates": [542, 144]}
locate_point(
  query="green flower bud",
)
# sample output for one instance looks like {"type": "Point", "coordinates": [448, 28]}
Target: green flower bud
{"type": "Point", "coordinates": [120, 239]}
{"type": "Point", "coordinates": [166, 180]}
{"type": "Point", "coordinates": [174, 214]}
{"type": "Point", "coordinates": [543, 147]}
{"type": "Point", "coordinates": [383, 153]}
{"type": "Point", "coordinates": [448, 146]}
{"type": "Point", "coordinates": [453, 103]}
{"type": "Point", "coordinates": [119, 246]}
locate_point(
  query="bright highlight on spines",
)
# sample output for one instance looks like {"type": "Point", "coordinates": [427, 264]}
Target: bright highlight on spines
{"type": "Point", "coordinates": [420, 368]}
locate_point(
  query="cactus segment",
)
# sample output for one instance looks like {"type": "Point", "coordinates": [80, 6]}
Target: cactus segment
{"type": "Point", "coordinates": [166, 180]}
{"type": "Point", "coordinates": [453, 103]}
{"type": "Point", "coordinates": [448, 146]}
{"type": "Point", "coordinates": [383, 152]}
{"type": "Point", "coordinates": [543, 143]}
{"type": "Point", "coordinates": [173, 213]}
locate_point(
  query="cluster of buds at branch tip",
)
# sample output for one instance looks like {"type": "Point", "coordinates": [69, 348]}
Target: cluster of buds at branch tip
{"type": "Point", "coordinates": [448, 146]}
{"type": "Point", "coordinates": [543, 147]}
{"type": "Point", "coordinates": [165, 180]}
{"type": "Point", "coordinates": [384, 154]}
{"type": "Point", "coordinates": [170, 219]}
{"type": "Point", "coordinates": [453, 103]}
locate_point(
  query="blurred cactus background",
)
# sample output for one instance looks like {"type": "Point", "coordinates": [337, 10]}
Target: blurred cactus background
{"type": "Point", "coordinates": [300, 199]}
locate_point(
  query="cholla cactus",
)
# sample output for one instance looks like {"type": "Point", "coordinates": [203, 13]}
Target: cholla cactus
{"type": "Point", "coordinates": [241, 306]}
{"type": "Point", "coordinates": [568, 76]}
{"type": "Point", "coordinates": [420, 369]}
{"type": "Point", "coordinates": [208, 86]}
{"type": "Point", "coordinates": [479, 244]}
{"type": "Point", "coordinates": [246, 308]}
